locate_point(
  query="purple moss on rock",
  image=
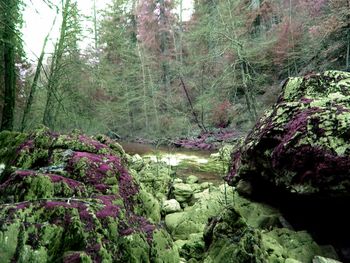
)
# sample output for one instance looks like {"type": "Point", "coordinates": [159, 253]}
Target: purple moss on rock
{"type": "Point", "coordinates": [73, 187]}
{"type": "Point", "coordinates": [302, 145]}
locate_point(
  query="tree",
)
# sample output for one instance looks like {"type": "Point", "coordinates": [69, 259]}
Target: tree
{"type": "Point", "coordinates": [67, 45]}
{"type": "Point", "coordinates": [10, 21]}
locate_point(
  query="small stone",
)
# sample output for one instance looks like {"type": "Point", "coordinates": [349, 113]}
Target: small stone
{"type": "Point", "coordinates": [244, 188]}
{"type": "Point", "coordinates": [173, 220]}
{"type": "Point", "coordinates": [171, 206]}
{"type": "Point", "coordinates": [183, 192]}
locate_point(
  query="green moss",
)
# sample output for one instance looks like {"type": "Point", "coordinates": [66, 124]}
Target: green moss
{"type": "Point", "coordinates": [149, 207]}
{"type": "Point", "coordinates": [135, 248]}
{"type": "Point", "coordinates": [163, 249]}
{"type": "Point", "coordinates": [8, 241]}
{"type": "Point", "coordinates": [9, 142]}
{"type": "Point", "coordinates": [285, 243]}
{"type": "Point", "coordinates": [39, 187]}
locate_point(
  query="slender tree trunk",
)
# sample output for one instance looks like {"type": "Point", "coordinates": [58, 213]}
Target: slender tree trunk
{"type": "Point", "coordinates": [348, 40]}
{"type": "Point", "coordinates": [153, 98]}
{"type": "Point", "coordinates": [164, 53]}
{"type": "Point", "coordinates": [191, 106]}
{"type": "Point", "coordinates": [48, 117]}
{"type": "Point", "coordinates": [9, 54]}
{"type": "Point", "coordinates": [144, 85]}
{"type": "Point", "coordinates": [348, 52]}
{"type": "Point", "coordinates": [95, 27]}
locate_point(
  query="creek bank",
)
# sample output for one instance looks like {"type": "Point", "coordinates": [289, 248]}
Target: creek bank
{"type": "Point", "coordinates": [100, 204]}
{"type": "Point", "coordinates": [211, 140]}
{"type": "Point", "coordinates": [213, 223]}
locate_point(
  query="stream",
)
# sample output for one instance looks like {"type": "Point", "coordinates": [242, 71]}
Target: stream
{"type": "Point", "coordinates": [183, 162]}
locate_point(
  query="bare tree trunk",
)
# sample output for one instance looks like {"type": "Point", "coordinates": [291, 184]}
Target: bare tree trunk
{"type": "Point", "coordinates": [191, 106]}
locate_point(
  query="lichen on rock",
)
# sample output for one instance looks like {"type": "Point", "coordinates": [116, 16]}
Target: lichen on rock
{"type": "Point", "coordinates": [302, 144]}
{"type": "Point", "coordinates": [71, 198]}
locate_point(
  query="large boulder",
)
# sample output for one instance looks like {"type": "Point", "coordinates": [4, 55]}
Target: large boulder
{"type": "Point", "coordinates": [302, 145]}
{"type": "Point", "coordinates": [70, 198]}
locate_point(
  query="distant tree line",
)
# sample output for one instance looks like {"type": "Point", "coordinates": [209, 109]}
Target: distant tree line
{"type": "Point", "coordinates": [148, 73]}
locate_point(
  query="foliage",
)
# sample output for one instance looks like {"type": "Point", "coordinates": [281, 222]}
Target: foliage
{"type": "Point", "coordinates": [230, 57]}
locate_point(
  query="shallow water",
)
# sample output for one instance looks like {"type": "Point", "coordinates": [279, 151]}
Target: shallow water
{"type": "Point", "coordinates": [183, 162]}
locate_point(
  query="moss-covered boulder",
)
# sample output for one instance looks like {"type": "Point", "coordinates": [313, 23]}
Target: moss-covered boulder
{"type": "Point", "coordinates": [69, 198]}
{"type": "Point", "coordinates": [302, 145]}
{"type": "Point", "coordinates": [230, 238]}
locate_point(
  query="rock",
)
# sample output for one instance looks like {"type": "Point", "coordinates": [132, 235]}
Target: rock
{"type": "Point", "coordinates": [193, 248]}
{"type": "Point", "coordinates": [179, 244]}
{"type": "Point", "coordinates": [319, 259]}
{"type": "Point", "coordinates": [196, 188]}
{"type": "Point", "coordinates": [173, 220]}
{"type": "Point", "coordinates": [136, 162]}
{"type": "Point", "coordinates": [292, 260]}
{"type": "Point", "coordinates": [302, 145]}
{"type": "Point", "coordinates": [230, 238]}
{"type": "Point", "coordinates": [198, 196]}
{"type": "Point", "coordinates": [194, 218]}
{"type": "Point", "coordinates": [171, 206]}
{"type": "Point", "coordinates": [192, 179]}
{"type": "Point", "coordinates": [90, 209]}
{"type": "Point", "coordinates": [178, 180]}
{"type": "Point", "coordinates": [244, 188]}
{"type": "Point", "coordinates": [182, 192]}
{"type": "Point", "coordinates": [205, 185]}
{"type": "Point", "coordinates": [155, 179]}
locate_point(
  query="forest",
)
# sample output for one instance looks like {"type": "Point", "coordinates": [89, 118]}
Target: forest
{"type": "Point", "coordinates": [149, 73]}
{"type": "Point", "coordinates": [174, 131]}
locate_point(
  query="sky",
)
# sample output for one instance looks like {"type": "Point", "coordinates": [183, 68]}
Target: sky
{"type": "Point", "coordinates": [39, 19]}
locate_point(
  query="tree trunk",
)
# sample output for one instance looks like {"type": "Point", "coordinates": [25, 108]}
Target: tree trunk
{"type": "Point", "coordinates": [48, 118]}
{"type": "Point", "coordinates": [191, 106]}
{"type": "Point", "coordinates": [9, 54]}
{"type": "Point", "coordinates": [164, 54]}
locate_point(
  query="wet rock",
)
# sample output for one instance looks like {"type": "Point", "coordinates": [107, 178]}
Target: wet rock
{"type": "Point", "coordinates": [171, 206]}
